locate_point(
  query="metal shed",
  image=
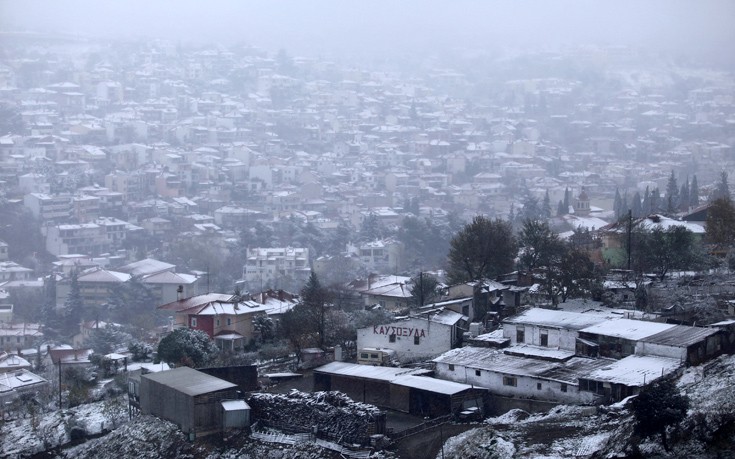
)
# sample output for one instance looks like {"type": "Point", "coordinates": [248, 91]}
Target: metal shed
{"type": "Point", "coordinates": [187, 397]}
{"type": "Point", "coordinates": [235, 414]}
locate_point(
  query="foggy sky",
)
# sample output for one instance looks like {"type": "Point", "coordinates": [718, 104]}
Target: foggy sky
{"type": "Point", "coordinates": [383, 26]}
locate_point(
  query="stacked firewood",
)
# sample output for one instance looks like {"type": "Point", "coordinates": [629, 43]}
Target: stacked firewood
{"type": "Point", "coordinates": [333, 413]}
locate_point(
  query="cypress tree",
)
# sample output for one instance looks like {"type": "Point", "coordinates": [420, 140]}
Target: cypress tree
{"type": "Point", "coordinates": [694, 193]}
{"type": "Point", "coordinates": [684, 196]}
{"type": "Point", "coordinates": [646, 205]}
{"type": "Point", "coordinates": [618, 204]}
{"type": "Point", "coordinates": [672, 194]}
{"type": "Point", "coordinates": [636, 207]}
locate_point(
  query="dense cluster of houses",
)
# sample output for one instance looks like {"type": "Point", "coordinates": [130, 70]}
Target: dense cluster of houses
{"type": "Point", "coordinates": [118, 159]}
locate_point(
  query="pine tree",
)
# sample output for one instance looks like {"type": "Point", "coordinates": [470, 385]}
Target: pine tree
{"type": "Point", "coordinates": [694, 193]}
{"type": "Point", "coordinates": [567, 200]}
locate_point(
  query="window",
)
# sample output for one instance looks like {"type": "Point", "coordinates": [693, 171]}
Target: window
{"type": "Point", "coordinates": [218, 322]}
{"type": "Point", "coordinates": [374, 356]}
{"type": "Point", "coordinates": [478, 372]}
{"type": "Point", "coordinates": [193, 321]}
{"type": "Point", "coordinates": [392, 338]}
{"type": "Point", "coordinates": [416, 340]}
{"type": "Point", "coordinates": [229, 322]}
{"type": "Point", "coordinates": [520, 335]}
{"type": "Point", "coordinates": [563, 387]}
{"type": "Point", "coordinates": [544, 338]}
{"type": "Point", "coordinates": [510, 381]}
{"type": "Point", "coordinates": [364, 355]}
{"type": "Point", "coordinates": [538, 386]}
{"type": "Point", "coordinates": [451, 367]}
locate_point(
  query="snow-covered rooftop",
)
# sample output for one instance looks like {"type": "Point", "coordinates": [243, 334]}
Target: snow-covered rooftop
{"type": "Point", "coordinates": [558, 319]}
{"type": "Point", "coordinates": [547, 353]}
{"type": "Point", "coordinates": [635, 370]}
{"type": "Point", "coordinates": [427, 383]}
{"type": "Point", "coordinates": [368, 371]}
{"type": "Point", "coordinates": [634, 330]}
{"type": "Point", "coordinates": [190, 381]}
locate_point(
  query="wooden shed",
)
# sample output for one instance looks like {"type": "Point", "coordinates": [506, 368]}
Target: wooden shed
{"type": "Point", "coordinates": [426, 396]}
{"type": "Point", "coordinates": [362, 383]}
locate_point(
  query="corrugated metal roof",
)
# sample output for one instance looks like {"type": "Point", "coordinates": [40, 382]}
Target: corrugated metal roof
{"type": "Point", "coordinates": [680, 336]}
{"type": "Point", "coordinates": [439, 386]}
{"type": "Point", "coordinates": [635, 370]}
{"type": "Point", "coordinates": [634, 330]}
{"type": "Point", "coordinates": [557, 319]}
{"type": "Point", "coordinates": [368, 371]}
{"type": "Point", "coordinates": [495, 360]}
{"type": "Point", "coordinates": [190, 381]}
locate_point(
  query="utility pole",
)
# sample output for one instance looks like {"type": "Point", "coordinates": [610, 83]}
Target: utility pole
{"type": "Point", "coordinates": [421, 288]}
{"type": "Point", "coordinates": [630, 235]}
{"type": "Point", "coordinates": [59, 362]}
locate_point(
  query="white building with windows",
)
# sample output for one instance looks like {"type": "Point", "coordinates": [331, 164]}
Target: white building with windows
{"type": "Point", "coordinates": [85, 238]}
{"type": "Point", "coordinates": [413, 338]}
{"type": "Point", "coordinates": [520, 377]}
{"type": "Point", "coordinates": [287, 268]}
{"type": "Point", "coordinates": [550, 328]}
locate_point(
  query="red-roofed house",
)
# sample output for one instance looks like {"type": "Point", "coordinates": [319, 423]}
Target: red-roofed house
{"type": "Point", "coordinates": [225, 318]}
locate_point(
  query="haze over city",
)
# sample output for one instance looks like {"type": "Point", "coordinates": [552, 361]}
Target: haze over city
{"type": "Point", "coordinates": [370, 229]}
{"type": "Point", "coordinates": [356, 28]}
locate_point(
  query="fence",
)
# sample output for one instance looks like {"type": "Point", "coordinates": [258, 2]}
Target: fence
{"type": "Point", "coordinates": [320, 434]}
{"type": "Point", "coordinates": [421, 427]}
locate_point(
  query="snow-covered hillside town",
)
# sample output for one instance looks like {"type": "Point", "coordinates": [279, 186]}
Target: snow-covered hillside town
{"type": "Point", "coordinates": [236, 231]}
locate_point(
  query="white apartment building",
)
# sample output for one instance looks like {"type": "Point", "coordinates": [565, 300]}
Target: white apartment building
{"type": "Point", "coordinates": [86, 238]}
{"type": "Point", "coordinates": [49, 207]}
{"type": "Point", "coordinates": [287, 268]}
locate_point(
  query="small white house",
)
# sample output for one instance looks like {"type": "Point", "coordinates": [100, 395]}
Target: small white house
{"type": "Point", "coordinates": [549, 328]}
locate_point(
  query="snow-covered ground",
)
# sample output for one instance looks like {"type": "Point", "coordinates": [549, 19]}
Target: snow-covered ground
{"type": "Point", "coordinates": [563, 432]}
{"type": "Point", "coordinates": [26, 436]}
{"type": "Point", "coordinates": [583, 432]}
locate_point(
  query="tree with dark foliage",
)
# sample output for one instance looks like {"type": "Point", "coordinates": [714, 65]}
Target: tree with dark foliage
{"type": "Point", "coordinates": [721, 223]}
{"type": "Point", "coordinates": [660, 251]}
{"type": "Point", "coordinates": [186, 346]}
{"type": "Point", "coordinates": [315, 299]}
{"type": "Point", "coordinates": [484, 248]}
{"type": "Point", "coordinates": [658, 406]}
{"type": "Point", "coordinates": [73, 307]}
{"type": "Point", "coordinates": [423, 289]}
